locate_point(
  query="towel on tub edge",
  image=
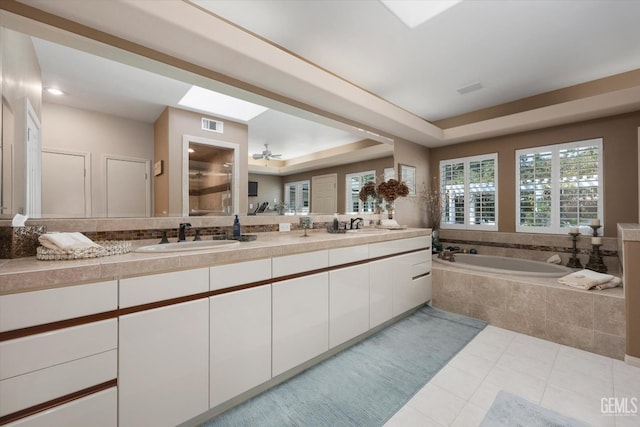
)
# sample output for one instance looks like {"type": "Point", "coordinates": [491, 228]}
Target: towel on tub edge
{"type": "Point", "coordinates": [67, 241]}
{"type": "Point", "coordinates": [587, 279]}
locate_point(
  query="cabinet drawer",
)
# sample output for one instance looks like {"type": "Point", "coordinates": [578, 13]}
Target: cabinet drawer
{"type": "Point", "coordinates": [346, 255]}
{"type": "Point", "coordinates": [397, 246]}
{"type": "Point", "coordinates": [24, 355]}
{"type": "Point", "coordinates": [43, 385]}
{"type": "Point", "coordinates": [422, 269]}
{"type": "Point", "coordinates": [158, 287]}
{"type": "Point", "coordinates": [97, 410]}
{"type": "Point", "coordinates": [225, 276]}
{"type": "Point", "coordinates": [292, 264]}
{"type": "Point", "coordinates": [51, 305]}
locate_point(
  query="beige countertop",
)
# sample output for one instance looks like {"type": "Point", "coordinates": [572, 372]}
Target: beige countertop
{"type": "Point", "coordinates": [25, 274]}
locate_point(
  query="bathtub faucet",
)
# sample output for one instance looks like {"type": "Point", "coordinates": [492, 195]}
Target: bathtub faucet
{"type": "Point", "coordinates": [447, 256]}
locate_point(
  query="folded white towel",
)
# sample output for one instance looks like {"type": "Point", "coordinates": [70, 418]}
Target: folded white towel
{"type": "Point", "coordinates": [613, 283]}
{"type": "Point", "coordinates": [585, 279]}
{"type": "Point", "coordinates": [67, 241]}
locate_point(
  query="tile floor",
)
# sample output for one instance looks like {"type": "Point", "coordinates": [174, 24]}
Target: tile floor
{"type": "Point", "coordinates": [564, 379]}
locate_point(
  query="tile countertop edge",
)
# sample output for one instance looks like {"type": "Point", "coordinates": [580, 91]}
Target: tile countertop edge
{"type": "Point", "coordinates": [28, 274]}
{"type": "Point", "coordinates": [629, 232]}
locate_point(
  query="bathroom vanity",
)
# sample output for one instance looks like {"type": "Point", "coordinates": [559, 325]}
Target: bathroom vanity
{"type": "Point", "coordinates": [157, 339]}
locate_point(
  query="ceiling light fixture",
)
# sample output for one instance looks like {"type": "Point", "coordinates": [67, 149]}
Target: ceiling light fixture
{"type": "Point", "coordinates": [217, 104]}
{"type": "Point", "coordinates": [55, 91]}
{"type": "Point", "coordinates": [413, 13]}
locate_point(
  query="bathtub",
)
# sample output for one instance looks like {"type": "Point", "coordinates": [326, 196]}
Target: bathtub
{"type": "Point", "coordinates": [506, 265]}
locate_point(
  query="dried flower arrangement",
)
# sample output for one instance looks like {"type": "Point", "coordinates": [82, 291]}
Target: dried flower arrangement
{"type": "Point", "coordinates": [431, 199]}
{"type": "Point", "coordinates": [388, 191]}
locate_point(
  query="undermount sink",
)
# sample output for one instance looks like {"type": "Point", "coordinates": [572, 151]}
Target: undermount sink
{"type": "Point", "coordinates": [200, 245]}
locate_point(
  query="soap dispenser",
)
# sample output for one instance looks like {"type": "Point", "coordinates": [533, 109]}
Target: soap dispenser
{"type": "Point", "coordinates": [236, 227]}
{"type": "Point", "coordinates": [336, 222]}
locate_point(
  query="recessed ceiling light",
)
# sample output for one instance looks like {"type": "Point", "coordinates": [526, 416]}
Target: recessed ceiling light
{"type": "Point", "coordinates": [413, 13]}
{"type": "Point", "coordinates": [220, 105]}
{"type": "Point", "coordinates": [55, 91]}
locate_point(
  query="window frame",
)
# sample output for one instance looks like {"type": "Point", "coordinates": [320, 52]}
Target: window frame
{"type": "Point", "coordinates": [348, 194]}
{"type": "Point", "coordinates": [299, 189]}
{"type": "Point", "coordinates": [466, 161]}
{"type": "Point", "coordinates": [556, 227]}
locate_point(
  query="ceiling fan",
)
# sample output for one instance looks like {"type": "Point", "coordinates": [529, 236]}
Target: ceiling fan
{"type": "Point", "coordinates": [266, 154]}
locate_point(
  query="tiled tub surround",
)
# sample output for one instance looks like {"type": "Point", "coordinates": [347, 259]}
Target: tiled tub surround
{"type": "Point", "coordinates": [537, 247]}
{"type": "Point", "coordinates": [540, 307]}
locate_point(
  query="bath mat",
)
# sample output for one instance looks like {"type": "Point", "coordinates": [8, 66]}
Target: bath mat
{"type": "Point", "coordinates": [365, 384]}
{"type": "Point", "coordinates": [509, 410]}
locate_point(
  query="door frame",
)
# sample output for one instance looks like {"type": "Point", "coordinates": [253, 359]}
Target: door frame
{"type": "Point", "coordinates": [147, 164]}
{"type": "Point", "coordinates": [235, 189]}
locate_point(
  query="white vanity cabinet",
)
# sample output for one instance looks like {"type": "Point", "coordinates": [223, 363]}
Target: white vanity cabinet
{"type": "Point", "coordinates": [240, 330]}
{"type": "Point", "coordinates": [412, 280]}
{"type": "Point", "coordinates": [56, 363]}
{"type": "Point", "coordinates": [300, 320]}
{"type": "Point", "coordinates": [381, 274]}
{"type": "Point", "coordinates": [348, 303]}
{"type": "Point", "coordinates": [164, 352]}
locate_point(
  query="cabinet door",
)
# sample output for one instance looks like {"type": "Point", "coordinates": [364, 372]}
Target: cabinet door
{"type": "Point", "coordinates": [240, 342]}
{"type": "Point", "coordinates": [300, 320]}
{"type": "Point", "coordinates": [164, 365]}
{"type": "Point", "coordinates": [381, 291]}
{"type": "Point", "coordinates": [348, 303]}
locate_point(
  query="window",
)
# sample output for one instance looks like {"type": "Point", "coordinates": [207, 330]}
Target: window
{"type": "Point", "coordinates": [296, 197]}
{"type": "Point", "coordinates": [559, 186]}
{"type": "Point", "coordinates": [469, 190]}
{"type": "Point", "coordinates": [354, 182]}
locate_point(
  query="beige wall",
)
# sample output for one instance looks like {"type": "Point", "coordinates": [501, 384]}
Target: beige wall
{"type": "Point", "coordinates": [620, 146]}
{"type": "Point", "coordinates": [408, 209]}
{"type": "Point", "coordinates": [632, 296]}
{"type": "Point", "coordinates": [181, 122]}
{"type": "Point", "coordinates": [270, 187]}
{"type": "Point", "coordinates": [376, 164]}
{"type": "Point", "coordinates": [99, 134]}
{"type": "Point", "coordinates": [21, 80]}
{"type": "Point", "coordinates": [161, 153]}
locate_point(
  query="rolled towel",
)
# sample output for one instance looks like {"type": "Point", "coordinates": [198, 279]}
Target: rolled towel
{"type": "Point", "coordinates": [585, 279]}
{"type": "Point", "coordinates": [613, 283]}
{"type": "Point", "coordinates": [554, 259]}
{"type": "Point", "coordinates": [67, 241]}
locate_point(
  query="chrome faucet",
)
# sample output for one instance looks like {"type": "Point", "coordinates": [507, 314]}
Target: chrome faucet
{"type": "Point", "coordinates": [181, 233]}
{"type": "Point", "coordinates": [357, 222]}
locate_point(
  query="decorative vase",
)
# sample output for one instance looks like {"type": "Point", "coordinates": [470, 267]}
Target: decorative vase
{"type": "Point", "coordinates": [390, 208]}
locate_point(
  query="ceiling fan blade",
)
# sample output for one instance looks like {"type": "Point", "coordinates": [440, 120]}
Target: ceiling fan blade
{"type": "Point", "coordinates": [257, 156]}
{"type": "Point", "coordinates": [276, 155]}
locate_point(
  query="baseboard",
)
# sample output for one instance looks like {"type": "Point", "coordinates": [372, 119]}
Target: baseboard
{"type": "Point", "coordinates": [632, 360]}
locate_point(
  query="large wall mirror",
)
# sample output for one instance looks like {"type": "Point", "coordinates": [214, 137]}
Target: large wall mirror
{"type": "Point", "coordinates": [110, 143]}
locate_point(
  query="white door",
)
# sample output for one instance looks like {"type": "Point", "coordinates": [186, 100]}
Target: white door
{"type": "Point", "coordinates": [65, 184]}
{"type": "Point", "coordinates": [128, 193]}
{"type": "Point", "coordinates": [324, 194]}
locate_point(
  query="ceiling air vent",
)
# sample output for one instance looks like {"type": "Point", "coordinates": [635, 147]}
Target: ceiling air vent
{"type": "Point", "coordinates": [212, 125]}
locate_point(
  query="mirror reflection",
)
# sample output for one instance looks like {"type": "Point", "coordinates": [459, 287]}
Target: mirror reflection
{"type": "Point", "coordinates": [86, 136]}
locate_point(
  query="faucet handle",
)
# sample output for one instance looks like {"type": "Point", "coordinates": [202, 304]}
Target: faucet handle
{"type": "Point", "coordinates": [164, 237]}
{"type": "Point", "coordinates": [197, 236]}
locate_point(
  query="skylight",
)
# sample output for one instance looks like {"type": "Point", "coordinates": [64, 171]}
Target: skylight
{"type": "Point", "coordinates": [413, 12]}
{"type": "Point", "coordinates": [218, 104]}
